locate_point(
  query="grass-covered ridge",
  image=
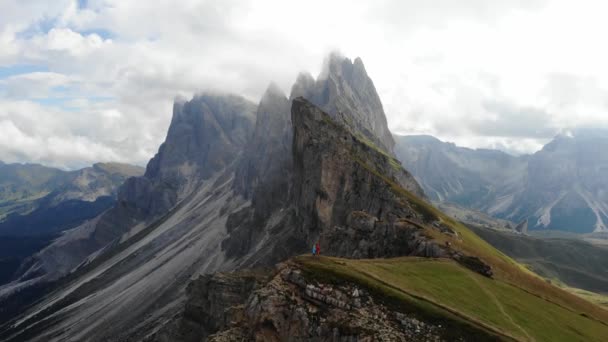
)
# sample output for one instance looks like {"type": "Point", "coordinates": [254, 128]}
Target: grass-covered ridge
{"type": "Point", "coordinates": [505, 268]}
{"type": "Point", "coordinates": [442, 287]}
{"type": "Point", "coordinates": [510, 278]}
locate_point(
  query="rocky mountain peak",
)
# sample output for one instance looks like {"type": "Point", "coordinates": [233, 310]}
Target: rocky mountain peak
{"type": "Point", "coordinates": [303, 85]}
{"type": "Point", "coordinates": [224, 120]}
{"type": "Point", "coordinates": [273, 90]}
{"type": "Point", "coordinates": [345, 91]}
{"type": "Point", "coordinates": [267, 154]}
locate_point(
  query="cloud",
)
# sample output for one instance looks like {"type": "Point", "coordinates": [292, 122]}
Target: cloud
{"type": "Point", "coordinates": [505, 74]}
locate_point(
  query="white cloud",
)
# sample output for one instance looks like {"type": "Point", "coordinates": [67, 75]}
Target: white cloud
{"type": "Point", "coordinates": [460, 70]}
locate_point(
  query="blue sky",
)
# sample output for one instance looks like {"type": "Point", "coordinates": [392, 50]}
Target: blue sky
{"type": "Point", "coordinates": [86, 81]}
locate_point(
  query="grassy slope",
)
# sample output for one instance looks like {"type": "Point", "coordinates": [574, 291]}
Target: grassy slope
{"type": "Point", "coordinates": [505, 268]}
{"type": "Point", "coordinates": [599, 299]}
{"type": "Point", "coordinates": [516, 302]}
{"type": "Point", "coordinates": [444, 288]}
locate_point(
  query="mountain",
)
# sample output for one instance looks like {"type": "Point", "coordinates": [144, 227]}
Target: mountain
{"type": "Point", "coordinates": [237, 188]}
{"type": "Point", "coordinates": [455, 174]}
{"type": "Point", "coordinates": [347, 94]}
{"type": "Point", "coordinates": [210, 227]}
{"type": "Point", "coordinates": [20, 185]}
{"type": "Point", "coordinates": [560, 187]}
{"type": "Point", "coordinates": [189, 214]}
{"type": "Point", "coordinates": [39, 202]}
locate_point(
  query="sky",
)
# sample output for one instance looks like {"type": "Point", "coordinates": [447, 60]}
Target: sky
{"type": "Point", "coordinates": [94, 80]}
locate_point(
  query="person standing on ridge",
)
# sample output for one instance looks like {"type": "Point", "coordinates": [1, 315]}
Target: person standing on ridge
{"type": "Point", "coordinates": [318, 248]}
{"type": "Point", "coordinates": [314, 250]}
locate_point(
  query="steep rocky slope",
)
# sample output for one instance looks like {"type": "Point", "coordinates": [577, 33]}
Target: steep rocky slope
{"type": "Point", "coordinates": [205, 136]}
{"type": "Point", "coordinates": [561, 187]}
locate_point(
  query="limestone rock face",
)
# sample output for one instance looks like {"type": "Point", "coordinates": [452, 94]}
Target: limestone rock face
{"type": "Point", "coordinates": [351, 184]}
{"type": "Point", "coordinates": [206, 135]}
{"type": "Point", "coordinates": [347, 93]}
{"type": "Point", "coordinates": [264, 173]}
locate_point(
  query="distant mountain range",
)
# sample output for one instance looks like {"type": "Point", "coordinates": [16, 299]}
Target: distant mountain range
{"type": "Point", "coordinates": [38, 202]}
{"type": "Point", "coordinates": [564, 186]}
{"type": "Point", "coordinates": [36, 199]}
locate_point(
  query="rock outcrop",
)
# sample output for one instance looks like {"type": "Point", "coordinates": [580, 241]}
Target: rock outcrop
{"type": "Point", "coordinates": [214, 302]}
{"type": "Point", "coordinates": [291, 305]}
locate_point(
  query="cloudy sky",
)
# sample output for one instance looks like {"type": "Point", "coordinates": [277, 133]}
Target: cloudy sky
{"type": "Point", "coordinates": [94, 80]}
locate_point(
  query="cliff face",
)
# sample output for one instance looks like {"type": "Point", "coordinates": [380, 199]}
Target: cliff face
{"type": "Point", "coordinates": [264, 172]}
{"type": "Point", "coordinates": [344, 189]}
{"type": "Point", "coordinates": [335, 178]}
{"type": "Point", "coordinates": [206, 135]}
{"type": "Point", "coordinates": [214, 302]}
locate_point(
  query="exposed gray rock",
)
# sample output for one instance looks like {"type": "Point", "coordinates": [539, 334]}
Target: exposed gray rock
{"type": "Point", "coordinates": [291, 307]}
{"type": "Point", "coordinates": [214, 302]}
{"type": "Point", "coordinates": [345, 91]}
{"type": "Point", "coordinates": [349, 179]}
{"type": "Point", "coordinates": [522, 227]}
{"type": "Point", "coordinates": [264, 171]}
{"type": "Point", "coordinates": [206, 135]}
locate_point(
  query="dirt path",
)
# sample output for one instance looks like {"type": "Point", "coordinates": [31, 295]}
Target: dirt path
{"type": "Point", "coordinates": [499, 305]}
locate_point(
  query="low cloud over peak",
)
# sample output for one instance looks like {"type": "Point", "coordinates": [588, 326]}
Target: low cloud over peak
{"type": "Point", "coordinates": [84, 81]}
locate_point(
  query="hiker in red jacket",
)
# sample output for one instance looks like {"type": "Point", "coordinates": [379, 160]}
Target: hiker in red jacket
{"type": "Point", "coordinates": [318, 248]}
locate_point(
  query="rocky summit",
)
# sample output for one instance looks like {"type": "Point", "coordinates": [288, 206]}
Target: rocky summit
{"type": "Point", "coordinates": [347, 93]}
